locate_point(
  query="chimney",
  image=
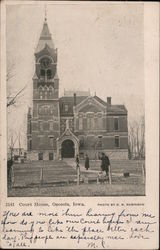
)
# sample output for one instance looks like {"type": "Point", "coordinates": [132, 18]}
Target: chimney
{"type": "Point", "coordinates": [109, 100]}
{"type": "Point", "coordinates": [74, 101]}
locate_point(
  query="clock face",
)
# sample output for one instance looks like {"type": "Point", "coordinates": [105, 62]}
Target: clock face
{"type": "Point", "coordinates": [45, 62]}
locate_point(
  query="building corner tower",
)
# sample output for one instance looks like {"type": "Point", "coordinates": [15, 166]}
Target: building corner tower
{"type": "Point", "coordinates": [43, 127]}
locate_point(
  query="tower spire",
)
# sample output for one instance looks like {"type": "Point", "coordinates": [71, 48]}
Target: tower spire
{"type": "Point", "coordinates": [45, 13]}
{"type": "Point", "coordinates": [45, 36]}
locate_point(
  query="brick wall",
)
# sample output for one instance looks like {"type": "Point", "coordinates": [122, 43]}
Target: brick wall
{"type": "Point", "coordinates": [122, 123]}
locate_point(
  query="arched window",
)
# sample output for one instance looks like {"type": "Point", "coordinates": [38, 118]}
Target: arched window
{"type": "Point", "coordinates": [41, 95]}
{"type": "Point", "coordinates": [40, 92]}
{"type": "Point", "coordinates": [45, 63]}
{"type": "Point", "coordinates": [45, 92]}
{"type": "Point", "coordinates": [42, 73]}
{"type": "Point", "coordinates": [50, 92]}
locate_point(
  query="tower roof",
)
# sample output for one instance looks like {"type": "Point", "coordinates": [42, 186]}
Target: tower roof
{"type": "Point", "coordinates": [45, 38]}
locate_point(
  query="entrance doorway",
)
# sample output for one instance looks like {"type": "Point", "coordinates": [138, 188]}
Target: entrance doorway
{"type": "Point", "coordinates": [67, 150]}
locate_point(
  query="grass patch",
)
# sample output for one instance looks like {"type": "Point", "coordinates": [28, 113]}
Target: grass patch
{"type": "Point", "coordinates": [83, 190]}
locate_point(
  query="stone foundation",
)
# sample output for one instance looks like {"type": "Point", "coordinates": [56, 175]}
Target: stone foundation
{"type": "Point", "coordinates": [121, 154]}
{"type": "Point", "coordinates": [33, 155]}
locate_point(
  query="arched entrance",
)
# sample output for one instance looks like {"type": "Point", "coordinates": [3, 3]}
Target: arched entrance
{"type": "Point", "coordinates": [67, 149]}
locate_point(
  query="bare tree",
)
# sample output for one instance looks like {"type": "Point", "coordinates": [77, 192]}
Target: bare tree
{"type": "Point", "coordinates": [12, 98]}
{"type": "Point", "coordinates": [11, 143]}
{"type": "Point", "coordinates": [136, 138]}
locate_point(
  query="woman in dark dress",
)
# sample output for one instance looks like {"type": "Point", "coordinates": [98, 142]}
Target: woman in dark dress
{"type": "Point", "coordinates": [105, 163]}
{"type": "Point", "coordinates": [86, 162]}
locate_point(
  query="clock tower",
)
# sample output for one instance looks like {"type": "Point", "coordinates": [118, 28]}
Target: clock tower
{"type": "Point", "coordinates": [44, 119]}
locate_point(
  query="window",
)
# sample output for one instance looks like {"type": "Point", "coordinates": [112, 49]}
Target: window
{"type": "Point", "coordinates": [42, 73]}
{"type": "Point", "coordinates": [51, 126]}
{"type": "Point", "coordinates": [51, 110]}
{"type": "Point", "coordinates": [81, 143]}
{"type": "Point", "coordinates": [99, 123]}
{"type": "Point", "coordinates": [88, 123]}
{"type": "Point", "coordinates": [65, 107]}
{"type": "Point", "coordinates": [45, 95]}
{"type": "Point", "coordinates": [40, 110]}
{"type": "Point", "coordinates": [80, 123]}
{"type": "Point", "coordinates": [49, 73]}
{"type": "Point", "coordinates": [45, 110]}
{"type": "Point", "coordinates": [50, 93]}
{"type": "Point", "coordinates": [41, 126]}
{"type": "Point", "coordinates": [51, 141]}
{"type": "Point", "coordinates": [116, 141]}
{"type": "Point", "coordinates": [116, 124]}
{"type": "Point", "coordinates": [40, 156]}
{"type": "Point", "coordinates": [40, 92]}
{"type": "Point", "coordinates": [92, 123]}
{"type": "Point", "coordinates": [50, 156]}
{"type": "Point", "coordinates": [41, 95]}
{"type": "Point", "coordinates": [99, 142]}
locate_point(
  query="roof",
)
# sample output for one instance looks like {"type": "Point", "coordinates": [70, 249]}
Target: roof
{"type": "Point", "coordinates": [116, 109]}
{"type": "Point", "coordinates": [78, 93]}
{"type": "Point", "coordinates": [69, 100]}
{"type": "Point", "coordinates": [100, 100]}
{"type": "Point", "coordinates": [45, 38]}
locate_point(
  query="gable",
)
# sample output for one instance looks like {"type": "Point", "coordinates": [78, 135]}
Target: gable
{"type": "Point", "coordinates": [90, 108]}
{"type": "Point", "coordinates": [90, 104]}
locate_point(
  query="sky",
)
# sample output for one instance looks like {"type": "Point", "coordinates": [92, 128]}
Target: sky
{"type": "Point", "coordinates": [100, 47]}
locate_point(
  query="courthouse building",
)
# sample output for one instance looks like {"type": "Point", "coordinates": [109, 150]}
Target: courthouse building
{"type": "Point", "coordinates": [76, 123]}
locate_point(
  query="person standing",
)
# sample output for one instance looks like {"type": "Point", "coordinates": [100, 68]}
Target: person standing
{"type": "Point", "coordinates": [105, 163]}
{"type": "Point", "coordinates": [86, 162]}
{"type": "Point", "coordinates": [77, 161]}
{"type": "Point", "coordinates": [78, 169]}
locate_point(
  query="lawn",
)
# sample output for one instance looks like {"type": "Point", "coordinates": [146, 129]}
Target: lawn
{"type": "Point", "coordinates": [119, 166]}
{"type": "Point", "coordinates": [58, 180]}
{"type": "Point", "coordinates": [81, 190]}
